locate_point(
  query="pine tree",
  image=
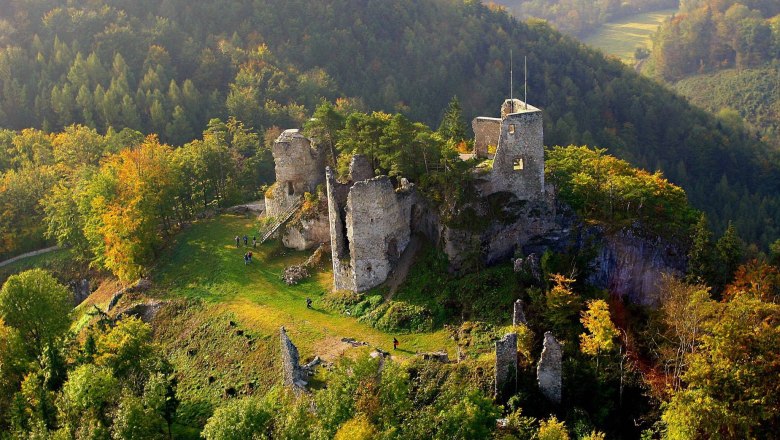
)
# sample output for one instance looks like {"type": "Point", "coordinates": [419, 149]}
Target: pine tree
{"type": "Point", "coordinates": [730, 249]}
{"type": "Point", "coordinates": [452, 125]}
{"type": "Point", "coordinates": [701, 255]}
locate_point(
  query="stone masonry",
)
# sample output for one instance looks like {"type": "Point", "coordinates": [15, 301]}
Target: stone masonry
{"type": "Point", "coordinates": [518, 166]}
{"type": "Point", "coordinates": [549, 369]}
{"type": "Point", "coordinates": [298, 167]}
{"type": "Point", "coordinates": [369, 227]}
{"type": "Point", "coordinates": [506, 367]}
{"type": "Point", "coordinates": [518, 314]}
{"type": "Point", "coordinates": [292, 373]}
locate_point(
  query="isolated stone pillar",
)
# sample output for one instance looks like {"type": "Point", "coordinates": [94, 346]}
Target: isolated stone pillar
{"type": "Point", "coordinates": [518, 315]}
{"type": "Point", "coordinates": [506, 367]}
{"type": "Point", "coordinates": [548, 371]}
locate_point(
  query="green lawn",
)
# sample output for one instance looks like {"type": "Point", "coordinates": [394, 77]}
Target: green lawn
{"type": "Point", "coordinates": [622, 37]}
{"type": "Point", "coordinates": [205, 264]}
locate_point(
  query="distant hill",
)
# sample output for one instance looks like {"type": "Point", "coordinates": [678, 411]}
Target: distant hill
{"type": "Point", "coordinates": [268, 62]}
{"type": "Point", "coordinates": [753, 94]}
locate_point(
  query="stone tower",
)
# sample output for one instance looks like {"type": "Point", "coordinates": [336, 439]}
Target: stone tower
{"type": "Point", "coordinates": [298, 167]}
{"type": "Point", "coordinates": [518, 163]}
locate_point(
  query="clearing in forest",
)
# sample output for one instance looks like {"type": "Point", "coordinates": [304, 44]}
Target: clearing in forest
{"type": "Point", "coordinates": [623, 36]}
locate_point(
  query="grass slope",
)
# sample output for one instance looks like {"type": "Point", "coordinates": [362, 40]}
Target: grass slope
{"type": "Point", "coordinates": [221, 330]}
{"type": "Point", "coordinates": [622, 37]}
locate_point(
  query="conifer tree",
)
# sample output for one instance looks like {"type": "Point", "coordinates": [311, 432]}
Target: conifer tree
{"type": "Point", "coordinates": [452, 125]}
{"type": "Point", "coordinates": [701, 255]}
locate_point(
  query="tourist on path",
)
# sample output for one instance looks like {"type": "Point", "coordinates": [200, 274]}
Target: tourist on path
{"type": "Point", "coordinates": [250, 256]}
{"type": "Point", "coordinates": [395, 344]}
{"type": "Point", "coordinates": [254, 242]}
{"type": "Point", "coordinates": [308, 303]}
{"type": "Point", "coordinates": [238, 241]}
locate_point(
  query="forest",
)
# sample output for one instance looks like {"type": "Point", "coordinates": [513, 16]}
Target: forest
{"type": "Point", "coordinates": [128, 125]}
{"type": "Point", "coordinates": [709, 35]}
{"type": "Point", "coordinates": [139, 66]}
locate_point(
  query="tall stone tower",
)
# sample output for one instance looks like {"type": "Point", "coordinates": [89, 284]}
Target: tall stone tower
{"type": "Point", "coordinates": [518, 162]}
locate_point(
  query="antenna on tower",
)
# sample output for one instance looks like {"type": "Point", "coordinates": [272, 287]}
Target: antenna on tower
{"type": "Point", "coordinates": [525, 75]}
{"type": "Point", "coordinates": [511, 82]}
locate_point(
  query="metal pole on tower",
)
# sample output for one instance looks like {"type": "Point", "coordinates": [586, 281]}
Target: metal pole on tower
{"type": "Point", "coordinates": [525, 74]}
{"type": "Point", "coordinates": [511, 83]}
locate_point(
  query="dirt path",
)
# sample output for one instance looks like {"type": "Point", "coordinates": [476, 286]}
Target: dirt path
{"type": "Point", "coordinates": [27, 255]}
{"type": "Point", "coordinates": [398, 276]}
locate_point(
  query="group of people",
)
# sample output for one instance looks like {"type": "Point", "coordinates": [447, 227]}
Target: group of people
{"type": "Point", "coordinates": [246, 241]}
{"type": "Point", "coordinates": [248, 254]}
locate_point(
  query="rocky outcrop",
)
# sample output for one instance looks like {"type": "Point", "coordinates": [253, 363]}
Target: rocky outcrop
{"type": "Point", "coordinates": [506, 367]}
{"type": "Point", "coordinates": [550, 368]}
{"type": "Point", "coordinates": [630, 266]}
{"type": "Point", "coordinates": [307, 233]}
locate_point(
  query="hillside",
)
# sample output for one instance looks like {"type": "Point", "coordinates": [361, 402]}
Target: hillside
{"type": "Point", "coordinates": [268, 63]}
{"type": "Point", "coordinates": [753, 94]}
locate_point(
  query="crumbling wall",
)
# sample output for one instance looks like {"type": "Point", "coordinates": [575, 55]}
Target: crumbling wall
{"type": "Point", "coordinates": [506, 367]}
{"type": "Point", "coordinates": [298, 167]}
{"type": "Point", "coordinates": [377, 229]}
{"type": "Point", "coordinates": [292, 373]}
{"type": "Point", "coordinates": [486, 133]}
{"type": "Point", "coordinates": [549, 369]}
{"type": "Point", "coordinates": [307, 234]}
{"type": "Point", "coordinates": [360, 168]}
{"type": "Point", "coordinates": [518, 313]}
{"type": "Point", "coordinates": [343, 278]}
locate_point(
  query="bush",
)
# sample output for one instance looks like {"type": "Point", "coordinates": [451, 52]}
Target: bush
{"type": "Point", "coordinates": [398, 316]}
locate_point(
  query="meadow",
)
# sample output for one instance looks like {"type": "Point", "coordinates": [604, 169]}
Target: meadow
{"type": "Point", "coordinates": [621, 38]}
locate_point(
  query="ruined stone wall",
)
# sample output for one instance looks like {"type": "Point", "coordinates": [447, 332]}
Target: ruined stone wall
{"type": "Point", "coordinates": [518, 166]}
{"type": "Point", "coordinates": [337, 201]}
{"type": "Point", "coordinates": [506, 367]}
{"type": "Point", "coordinates": [307, 234]}
{"type": "Point", "coordinates": [486, 132]}
{"type": "Point", "coordinates": [298, 167]}
{"type": "Point", "coordinates": [292, 374]}
{"type": "Point", "coordinates": [550, 369]}
{"type": "Point", "coordinates": [377, 229]}
{"type": "Point", "coordinates": [360, 168]}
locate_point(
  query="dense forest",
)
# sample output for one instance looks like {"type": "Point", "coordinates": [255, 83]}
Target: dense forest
{"type": "Point", "coordinates": [579, 17]}
{"type": "Point", "coordinates": [708, 35]}
{"type": "Point", "coordinates": [170, 67]}
{"type": "Point", "coordinates": [752, 95]}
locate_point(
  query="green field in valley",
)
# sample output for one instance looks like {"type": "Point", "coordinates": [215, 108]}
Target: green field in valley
{"type": "Point", "coordinates": [622, 37]}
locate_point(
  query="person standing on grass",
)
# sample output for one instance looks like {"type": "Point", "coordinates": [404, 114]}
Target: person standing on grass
{"type": "Point", "coordinates": [250, 256]}
{"type": "Point", "coordinates": [254, 242]}
{"type": "Point", "coordinates": [246, 240]}
{"type": "Point", "coordinates": [238, 241]}
{"type": "Point", "coordinates": [246, 259]}
{"type": "Point", "coordinates": [308, 303]}
{"type": "Point", "coordinates": [395, 344]}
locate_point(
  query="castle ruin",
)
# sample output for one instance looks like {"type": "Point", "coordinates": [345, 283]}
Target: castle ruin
{"type": "Point", "coordinates": [518, 138]}
{"type": "Point", "coordinates": [370, 226]}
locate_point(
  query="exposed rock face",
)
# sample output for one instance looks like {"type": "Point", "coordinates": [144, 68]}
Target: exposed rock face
{"type": "Point", "coordinates": [506, 367]}
{"type": "Point", "coordinates": [518, 314]}
{"type": "Point", "coordinates": [360, 168]}
{"type": "Point", "coordinates": [629, 265]}
{"type": "Point", "coordinates": [298, 168]}
{"type": "Point", "coordinates": [292, 374]}
{"type": "Point", "coordinates": [549, 369]}
{"type": "Point", "coordinates": [369, 230]}
{"type": "Point", "coordinates": [486, 133]}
